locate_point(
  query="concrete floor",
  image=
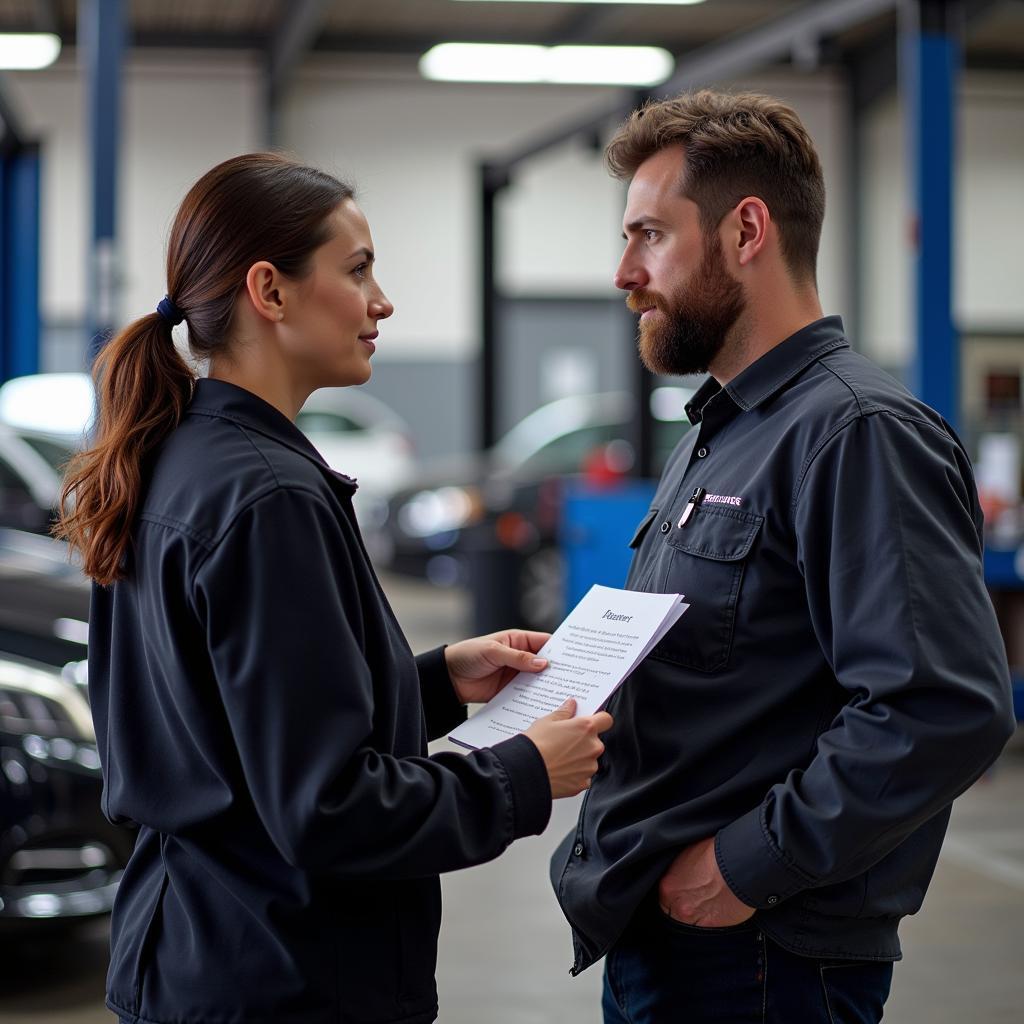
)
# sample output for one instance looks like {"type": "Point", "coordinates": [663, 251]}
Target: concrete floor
{"type": "Point", "coordinates": [505, 950]}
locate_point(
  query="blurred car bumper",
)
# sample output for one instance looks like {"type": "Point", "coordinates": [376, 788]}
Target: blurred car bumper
{"type": "Point", "coordinates": [60, 858]}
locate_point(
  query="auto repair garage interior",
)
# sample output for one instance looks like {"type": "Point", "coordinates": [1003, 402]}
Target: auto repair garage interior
{"type": "Point", "coordinates": [508, 440]}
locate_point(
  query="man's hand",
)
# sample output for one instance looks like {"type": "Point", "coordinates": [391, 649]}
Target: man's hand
{"type": "Point", "coordinates": [481, 666]}
{"type": "Point", "coordinates": [693, 891]}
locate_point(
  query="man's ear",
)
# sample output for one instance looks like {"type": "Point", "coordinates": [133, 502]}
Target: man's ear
{"type": "Point", "coordinates": [750, 221]}
{"type": "Point", "coordinates": [263, 285]}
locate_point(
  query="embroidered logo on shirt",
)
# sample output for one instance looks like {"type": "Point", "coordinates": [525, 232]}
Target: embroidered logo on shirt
{"type": "Point", "coordinates": [722, 499]}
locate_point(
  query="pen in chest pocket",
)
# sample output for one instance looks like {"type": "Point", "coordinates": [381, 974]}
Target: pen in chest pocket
{"type": "Point", "coordinates": [691, 506]}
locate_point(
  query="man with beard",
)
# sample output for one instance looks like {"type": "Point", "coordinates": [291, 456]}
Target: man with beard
{"type": "Point", "coordinates": [777, 784]}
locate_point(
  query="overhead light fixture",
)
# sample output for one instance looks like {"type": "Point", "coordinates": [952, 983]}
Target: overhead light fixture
{"type": "Point", "coordinates": [28, 51]}
{"type": "Point", "coordinates": [566, 65]}
{"type": "Point", "coordinates": [621, 3]}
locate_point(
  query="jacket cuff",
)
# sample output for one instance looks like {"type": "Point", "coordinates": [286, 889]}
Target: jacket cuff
{"type": "Point", "coordinates": [756, 870]}
{"type": "Point", "coordinates": [441, 705]}
{"type": "Point", "coordinates": [528, 780]}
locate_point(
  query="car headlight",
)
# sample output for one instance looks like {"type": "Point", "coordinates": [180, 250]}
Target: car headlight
{"type": "Point", "coordinates": [440, 510]}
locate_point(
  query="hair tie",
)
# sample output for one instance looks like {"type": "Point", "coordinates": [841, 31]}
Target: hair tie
{"type": "Point", "coordinates": [169, 311]}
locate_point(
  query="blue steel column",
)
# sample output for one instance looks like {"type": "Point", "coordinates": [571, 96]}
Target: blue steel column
{"type": "Point", "coordinates": [101, 45]}
{"type": "Point", "coordinates": [19, 262]}
{"type": "Point", "coordinates": [930, 58]}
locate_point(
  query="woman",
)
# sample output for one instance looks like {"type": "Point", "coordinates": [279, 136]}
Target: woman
{"type": "Point", "coordinates": [259, 713]}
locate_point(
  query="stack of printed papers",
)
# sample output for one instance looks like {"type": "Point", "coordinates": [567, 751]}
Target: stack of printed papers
{"type": "Point", "coordinates": [603, 639]}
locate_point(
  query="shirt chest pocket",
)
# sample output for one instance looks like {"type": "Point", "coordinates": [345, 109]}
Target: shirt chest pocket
{"type": "Point", "coordinates": [706, 561]}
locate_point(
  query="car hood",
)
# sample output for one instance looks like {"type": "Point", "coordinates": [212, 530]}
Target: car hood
{"type": "Point", "coordinates": [464, 470]}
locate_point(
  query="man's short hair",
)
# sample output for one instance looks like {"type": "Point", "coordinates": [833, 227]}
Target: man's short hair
{"type": "Point", "coordinates": [736, 145]}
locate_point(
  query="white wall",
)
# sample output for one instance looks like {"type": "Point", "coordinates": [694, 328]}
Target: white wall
{"type": "Point", "coordinates": [819, 99]}
{"type": "Point", "coordinates": [181, 115]}
{"type": "Point", "coordinates": [989, 206]}
{"type": "Point", "coordinates": [411, 148]}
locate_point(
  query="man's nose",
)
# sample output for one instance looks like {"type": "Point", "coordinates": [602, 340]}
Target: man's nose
{"type": "Point", "coordinates": [630, 274]}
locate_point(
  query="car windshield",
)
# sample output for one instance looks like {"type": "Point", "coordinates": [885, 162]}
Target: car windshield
{"type": "Point", "coordinates": [318, 422]}
{"type": "Point", "coordinates": [565, 454]}
{"type": "Point", "coordinates": [56, 453]}
{"type": "Point", "coordinates": [558, 437]}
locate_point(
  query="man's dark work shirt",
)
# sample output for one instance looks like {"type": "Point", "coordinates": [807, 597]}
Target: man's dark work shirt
{"type": "Point", "coordinates": [838, 679]}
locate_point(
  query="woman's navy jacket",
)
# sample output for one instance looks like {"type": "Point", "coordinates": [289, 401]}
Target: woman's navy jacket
{"type": "Point", "coordinates": [262, 719]}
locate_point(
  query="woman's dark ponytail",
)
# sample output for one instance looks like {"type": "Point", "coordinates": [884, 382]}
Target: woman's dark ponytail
{"type": "Point", "coordinates": [260, 206]}
{"type": "Point", "coordinates": [142, 386]}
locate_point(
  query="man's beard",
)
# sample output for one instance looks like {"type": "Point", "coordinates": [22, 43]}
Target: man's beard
{"type": "Point", "coordinates": [693, 326]}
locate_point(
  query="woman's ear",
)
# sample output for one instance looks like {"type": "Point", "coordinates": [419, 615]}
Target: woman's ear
{"type": "Point", "coordinates": [263, 284]}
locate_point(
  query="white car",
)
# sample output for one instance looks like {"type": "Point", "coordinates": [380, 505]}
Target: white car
{"type": "Point", "coordinates": [29, 483]}
{"type": "Point", "coordinates": [357, 434]}
{"type": "Point", "coordinates": [360, 436]}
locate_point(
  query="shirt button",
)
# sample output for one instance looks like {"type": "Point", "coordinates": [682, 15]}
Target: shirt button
{"type": "Point", "coordinates": [702, 453]}
{"type": "Point", "coordinates": [578, 849]}
{"type": "Point", "coordinates": [665, 527]}
{"type": "Point", "coordinates": [772, 900]}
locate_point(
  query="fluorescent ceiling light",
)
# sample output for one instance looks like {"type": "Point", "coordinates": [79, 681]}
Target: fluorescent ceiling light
{"type": "Point", "coordinates": [634, 3]}
{"type": "Point", "coordinates": [484, 62]}
{"type": "Point", "coordinates": [28, 51]}
{"type": "Point", "coordinates": [577, 65]}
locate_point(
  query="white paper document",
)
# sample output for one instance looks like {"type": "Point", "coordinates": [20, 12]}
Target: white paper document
{"type": "Point", "coordinates": [603, 639]}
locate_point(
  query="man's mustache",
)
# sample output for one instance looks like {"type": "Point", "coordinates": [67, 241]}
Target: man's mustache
{"type": "Point", "coordinates": [638, 300]}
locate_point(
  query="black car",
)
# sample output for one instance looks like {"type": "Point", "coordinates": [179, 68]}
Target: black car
{"type": "Point", "coordinates": [60, 859]}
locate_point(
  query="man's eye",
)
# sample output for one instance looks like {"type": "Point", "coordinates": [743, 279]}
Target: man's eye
{"type": "Point", "coordinates": [650, 234]}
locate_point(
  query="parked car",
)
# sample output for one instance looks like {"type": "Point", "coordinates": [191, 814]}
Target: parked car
{"type": "Point", "coordinates": [29, 482]}
{"type": "Point", "coordinates": [51, 412]}
{"type": "Point", "coordinates": [465, 512]}
{"type": "Point", "coordinates": [44, 599]}
{"type": "Point", "coordinates": [60, 859]}
{"type": "Point", "coordinates": [360, 436]}
{"type": "Point", "coordinates": [56, 404]}
{"type": "Point", "coordinates": [44, 418]}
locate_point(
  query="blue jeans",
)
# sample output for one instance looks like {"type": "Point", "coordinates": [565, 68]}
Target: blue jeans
{"type": "Point", "coordinates": [664, 972]}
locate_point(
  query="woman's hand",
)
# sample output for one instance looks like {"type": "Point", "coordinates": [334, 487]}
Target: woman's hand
{"type": "Point", "coordinates": [569, 747]}
{"type": "Point", "coordinates": [481, 666]}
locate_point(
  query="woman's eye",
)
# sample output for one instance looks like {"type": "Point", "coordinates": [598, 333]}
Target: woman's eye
{"type": "Point", "coordinates": [361, 270]}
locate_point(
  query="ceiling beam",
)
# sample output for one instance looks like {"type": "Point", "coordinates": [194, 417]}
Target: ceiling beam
{"type": "Point", "coordinates": [976, 10]}
{"type": "Point", "coordinates": [47, 17]}
{"type": "Point", "coordinates": [586, 25]}
{"type": "Point", "coordinates": [743, 52]}
{"type": "Point", "coordinates": [12, 134]}
{"type": "Point", "coordinates": [738, 54]}
{"type": "Point", "coordinates": [293, 38]}
{"type": "Point", "coordinates": [872, 68]}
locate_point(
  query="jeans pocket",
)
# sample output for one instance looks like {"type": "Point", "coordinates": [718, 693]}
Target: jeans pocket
{"type": "Point", "coordinates": [696, 929]}
{"type": "Point", "coordinates": [661, 972]}
{"type": "Point", "coordinates": [855, 990]}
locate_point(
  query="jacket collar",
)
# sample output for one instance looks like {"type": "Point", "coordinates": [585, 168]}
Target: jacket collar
{"type": "Point", "coordinates": [230, 402]}
{"type": "Point", "coordinates": [775, 369]}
